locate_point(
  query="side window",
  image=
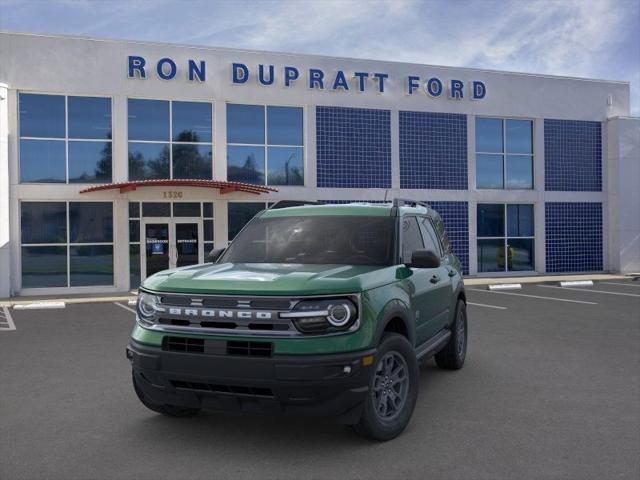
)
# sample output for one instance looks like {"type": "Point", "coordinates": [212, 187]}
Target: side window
{"type": "Point", "coordinates": [430, 239]}
{"type": "Point", "coordinates": [411, 238]}
{"type": "Point", "coordinates": [442, 233]}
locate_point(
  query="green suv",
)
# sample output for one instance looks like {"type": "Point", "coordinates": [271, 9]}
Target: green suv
{"type": "Point", "coordinates": [311, 310]}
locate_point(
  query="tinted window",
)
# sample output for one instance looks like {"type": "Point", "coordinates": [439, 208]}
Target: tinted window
{"type": "Point", "coordinates": [148, 120]}
{"type": "Point", "coordinates": [411, 238]}
{"type": "Point", "coordinates": [186, 209]}
{"type": "Point", "coordinates": [489, 171]}
{"type": "Point", "coordinates": [91, 265]}
{"type": "Point", "coordinates": [285, 166]}
{"type": "Point", "coordinates": [429, 236]}
{"type": "Point", "coordinates": [89, 117]}
{"type": "Point", "coordinates": [42, 161]}
{"type": "Point", "coordinates": [207, 210]}
{"type": "Point", "coordinates": [89, 162]}
{"type": "Point", "coordinates": [134, 230]}
{"type": "Point", "coordinates": [245, 164]}
{"type": "Point", "coordinates": [520, 220]}
{"type": "Point", "coordinates": [490, 220]}
{"type": "Point", "coordinates": [134, 210]}
{"type": "Point", "coordinates": [519, 136]}
{"type": "Point", "coordinates": [239, 214]}
{"type": "Point", "coordinates": [134, 266]}
{"type": "Point", "coordinates": [41, 115]}
{"type": "Point", "coordinates": [442, 234]}
{"type": "Point", "coordinates": [192, 161]}
{"type": "Point", "coordinates": [90, 222]}
{"type": "Point", "coordinates": [284, 126]}
{"type": "Point", "coordinates": [245, 124]}
{"type": "Point", "coordinates": [191, 122]}
{"type": "Point", "coordinates": [491, 257]}
{"type": "Point", "coordinates": [520, 254]}
{"type": "Point", "coordinates": [148, 161]}
{"type": "Point", "coordinates": [43, 222]}
{"type": "Point", "coordinates": [342, 240]}
{"type": "Point", "coordinates": [208, 230]}
{"type": "Point", "coordinates": [519, 172]}
{"type": "Point", "coordinates": [156, 209]}
{"type": "Point", "coordinates": [44, 267]}
{"type": "Point", "coordinates": [489, 135]}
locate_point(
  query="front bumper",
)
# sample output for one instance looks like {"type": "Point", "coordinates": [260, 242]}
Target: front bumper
{"type": "Point", "coordinates": [320, 385]}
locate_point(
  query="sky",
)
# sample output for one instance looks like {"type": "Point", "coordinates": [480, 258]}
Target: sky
{"type": "Point", "coordinates": [580, 38]}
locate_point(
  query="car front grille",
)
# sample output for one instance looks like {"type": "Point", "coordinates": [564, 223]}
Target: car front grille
{"type": "Point", "coordinates": [217, 347]}
{"type": "Point", "coordinates": [225, 389]}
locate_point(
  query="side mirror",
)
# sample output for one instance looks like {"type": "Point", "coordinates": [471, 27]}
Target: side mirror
{"type": "Point", "coordinates": [215, 254]}
{"type": "Point", "coordinates": [424, 259]}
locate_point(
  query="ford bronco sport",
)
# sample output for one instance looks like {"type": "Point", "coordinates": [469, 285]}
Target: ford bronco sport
{"type": "Point", "coordinates": [312, 309]}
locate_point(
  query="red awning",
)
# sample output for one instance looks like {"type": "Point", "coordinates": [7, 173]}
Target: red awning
{"type": "Point", "coordinates": [223, 187]}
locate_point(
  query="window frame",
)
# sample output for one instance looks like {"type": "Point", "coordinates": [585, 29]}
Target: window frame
{"type": "Point", "coordinates": [66, 139]}
{"type": "Point", "coordinates": [266, 145]}
{"type": "Point", "coordinates": [506, 237]}
{"type": "Point", "coordinates": [67, 244]}
{"type": "Point", "coordinates": [435, 237]}
{"type": "Point", "coordinates": [504, 154]}
{"type": "Point", "coordinates": [170, 142]}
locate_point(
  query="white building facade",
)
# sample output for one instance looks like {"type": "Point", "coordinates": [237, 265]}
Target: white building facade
{"type": "Point", "coordinates": [119, 159]}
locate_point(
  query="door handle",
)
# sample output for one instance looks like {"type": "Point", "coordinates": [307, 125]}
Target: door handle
{"type": "Point", "coordinates": [435, 279]}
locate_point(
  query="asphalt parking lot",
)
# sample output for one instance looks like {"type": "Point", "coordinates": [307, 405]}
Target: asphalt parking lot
{"type": "Point", "coordinates": [551, 389]}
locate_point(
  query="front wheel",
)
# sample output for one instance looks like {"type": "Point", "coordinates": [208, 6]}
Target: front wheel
{"type": "Point", "coordinates": [452, 356]}
{"type": "Point", "coordinates": [393, 390]}
{"type": "Point", "coordinates": [170, 410]}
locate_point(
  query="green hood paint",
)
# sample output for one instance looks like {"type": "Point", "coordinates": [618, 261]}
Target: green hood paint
{"type": "Point", "coordinates": [271, 279]}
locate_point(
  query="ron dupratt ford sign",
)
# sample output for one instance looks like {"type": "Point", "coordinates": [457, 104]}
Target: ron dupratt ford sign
{"type": "Point", "coordinates": [314, 78]}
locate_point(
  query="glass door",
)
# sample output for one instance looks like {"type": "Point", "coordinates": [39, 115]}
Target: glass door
{"type": "Point", "coordinates": [157, 247]}
{"type": "Point", "coordinates": [188, 240]}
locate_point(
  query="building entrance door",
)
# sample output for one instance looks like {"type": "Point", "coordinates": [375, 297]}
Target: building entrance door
{"type": "Point", "coordinates": [170, 243]}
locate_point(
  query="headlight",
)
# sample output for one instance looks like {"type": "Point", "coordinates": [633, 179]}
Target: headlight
{"type": "Point", "coordinates": [323, 316]}
{"type": "Point", "coordinates": [147, 307]}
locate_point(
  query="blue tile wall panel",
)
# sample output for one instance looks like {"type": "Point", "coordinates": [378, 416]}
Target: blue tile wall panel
{"type": "Point", "coordinates": [572, 155]}
{"type": "Point", "coordinates": [455, 216]}
{"type": "Point", "coordinates": [353, 147]}
{"type": "Point", "coordinates": [433, 150]}
{"type": "Point", "coordinates": [573, 236]}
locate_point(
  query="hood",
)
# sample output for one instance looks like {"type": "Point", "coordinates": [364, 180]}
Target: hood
{"type": "Point", "coordinates": [270, 279]}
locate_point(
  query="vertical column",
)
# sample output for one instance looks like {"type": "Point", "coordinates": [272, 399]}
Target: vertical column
{"type": "Point", "coordinates": [121, 276]}
{"type": "Point", "coordinates": [219, 143]}
{"type": "Point", "coordinates": [395, 150]}
{"type": "Point", "coordinates": [5, 244]}
{"type": "Point", "coordinates": [310, 170]}
{"type": "Point", "coordinates": [119, 124]}
{"type": "Point", "coordinates": [221, 224]}
{"type": "Point", "coordinates": [540, 244]}
{"type": "Point", "coordinates": [472, 196]}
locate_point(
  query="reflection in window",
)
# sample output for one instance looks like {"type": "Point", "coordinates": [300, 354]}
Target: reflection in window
{"type": "Point", "coordinates": [239, 214]}
{"type": "Point", "coordinates": [277, 159]}
{"type": "Point", "coordinates": [44, 118]}
{"type": "Point", "coordinates": [43, 222]}
{"type": "Point", "coordinates": [44, 266]}
{"type": "Point", "coordinates": [180, 148]}
{"type": "Point", "coordinates": [91, 265]}
{"type": "Point", "coordinates": [90, 222]}
{"type": "Point", "coordinates": [514, 251]}
{"type": "Point", "coordinates": [504, 153]}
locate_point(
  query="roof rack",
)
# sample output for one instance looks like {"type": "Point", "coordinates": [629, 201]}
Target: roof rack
{"type": "Point", "coordinates": [403, 202]}
{"type": "Point", "coordinates": [291, 203]}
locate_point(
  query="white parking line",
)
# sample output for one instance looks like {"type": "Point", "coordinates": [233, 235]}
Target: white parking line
{"type": "Point", "coordinates": [6, 322]}
{"type": "Point", "coordinates": [591, 290]}
{"type": "Point", "coordinates": [126, 308]}
{"type": "Point", "coordinates": [533, 296]}
{"type": "Point", "coordinates": [486, 306]}
{"type": "Point", "coordinates": [621, 284]}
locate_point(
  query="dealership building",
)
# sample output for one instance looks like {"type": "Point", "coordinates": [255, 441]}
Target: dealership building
{"type": "Point", "coordinates": [119, 159]}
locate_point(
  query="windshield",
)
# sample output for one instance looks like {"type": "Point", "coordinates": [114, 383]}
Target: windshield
{"type": "Point", "coordinates": [344, 240]}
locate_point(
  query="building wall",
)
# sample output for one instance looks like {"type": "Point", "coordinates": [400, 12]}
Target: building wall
{"type": "Point", "coordinates": [400, 144]}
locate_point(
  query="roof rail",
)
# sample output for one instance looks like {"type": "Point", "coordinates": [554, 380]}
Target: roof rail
{"type": "Point", "coordinates": [403, 202]}
{"type": "Point", "coordinates": [291, 203]}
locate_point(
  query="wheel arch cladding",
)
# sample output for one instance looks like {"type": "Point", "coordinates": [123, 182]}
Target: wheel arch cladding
{"type": "Point", "coordinates": [395, 317]}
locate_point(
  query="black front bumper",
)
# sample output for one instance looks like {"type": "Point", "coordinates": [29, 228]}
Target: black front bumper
{"type": "Point", "coordinates": [321, 385]}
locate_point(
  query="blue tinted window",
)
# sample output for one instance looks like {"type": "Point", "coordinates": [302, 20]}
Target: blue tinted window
{"type": "Point", "coordinates": [489, 171]}
{"type": "Point", "coordinates": [43, 222]}
{"type": "Point", "coordinates": [207, 210]}
{"type": "Point", "coordinates": [148, 120]}
{"type": "Point", "coordinates": [156, 209]}
{"type": "Point", "coordinates": [184, 209]}
{"type": "Point", "coordinates": [245, 164]}
{"type": "Point", "coordinates": [245, 124]}
{"type": "Point", "coordinates": [489, 135]}
{"type": "Point", "coordinates": [520, 254]}
{"type": "Point", "coordinates": [208, 230]}
{"type": "Point", "coordinates": [89, 162]}
{"type": "Point", "coordinates": [191, 122]}
{"type": "Point", "coordinates": [490, 220]}
{"type": "Point", "coordinates": [520, 171]}
{"type": "Point", "coordinates": [42, 161]}
{"type": "Point", "coordinates": [134, 230]}
{"type": "Point", "coordinates": [90, 222]}
{"type": "Point", "coordinates": [239, 214]}
{"type": "Point", "coordinates": [148, 161]}
{"type": "Point", "coordinates": [192, 161]}
{"type": "Point", "coordinates": [44, 267]}
{"type": "Point", "coordinates": [41, 115]}
{"type": "Point", "coordinates": [284, 126]}
{"type": "Point", "coordinates": [91, 265]}
{"type": "Point", "coordinates": [89, 117]}
{"type": "Point", "coordinates": [519, 136]}
{"type": "Point", "coordinates": [134, 210]}
{"type": "Point", "coordinates": [285, 166]}
{"type": "Point", "coordinates": [520, 220]}
{"type": "Point", "coordinates": [491, 256]}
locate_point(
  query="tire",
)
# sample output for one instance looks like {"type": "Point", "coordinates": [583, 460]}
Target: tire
{"type": "Point", "coordinates": [452, 356]}
{"type": "Point", "coordinates": [170, 410]}
{"type": "Point", "coordinates": [385, 415]}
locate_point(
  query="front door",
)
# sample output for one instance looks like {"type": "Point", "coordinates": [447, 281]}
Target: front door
{"type": "Point", "coordinates": [170, 243]}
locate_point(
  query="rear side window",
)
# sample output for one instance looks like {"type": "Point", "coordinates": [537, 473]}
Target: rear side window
{"type": "Point", "coordinates": [430, 238]}
{"type": "Point", "coordinates": [442, 233]}
{"type": "Point", "coordinates": [411, 238]}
